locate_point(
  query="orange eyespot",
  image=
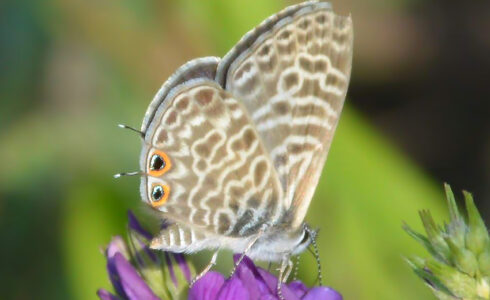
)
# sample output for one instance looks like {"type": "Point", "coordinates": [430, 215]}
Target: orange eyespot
{"type": "Point", "coordinates": [159, 163]}
{"type": "Point", "coordinates": [159, 195]}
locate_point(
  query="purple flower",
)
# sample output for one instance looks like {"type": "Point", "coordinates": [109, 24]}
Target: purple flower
{"type": "Point", "coordinates": [127, 282]}
{"type": "Point", "coordinates": [252, 282]}
{"type": "Point", "coordinates": [137, 272]}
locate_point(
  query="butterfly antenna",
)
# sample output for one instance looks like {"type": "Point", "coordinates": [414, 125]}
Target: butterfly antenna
{"type": "Point", "coordinates": [317, 256]}
{"type": "Point", "coordinates": [118, 175]}
{"type": "Point", "coordinates": [141, 133]}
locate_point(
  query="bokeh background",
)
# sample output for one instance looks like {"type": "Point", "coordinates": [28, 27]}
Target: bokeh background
{"type": "Point", "coordinates": [70, 70]}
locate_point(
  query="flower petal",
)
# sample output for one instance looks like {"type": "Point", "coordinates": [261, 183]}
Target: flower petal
{"type": "Point", "coordinates": [271, 282]}
{"type": "Point", "coordinates": [248, 279]}
{"type": "Point", "coordinates": [298, 288]}
{"type": "Point", "coordinates": [105, 295]}
{"type": "Point", "coordinates": [184, 266]}
{"type": "Point", "coordinates": [143, 255]}
{"type": "Point", "coordinates": [322, 293]}
{"type": "Point", "coordinates": [245, 270]}
{"type": "Point", "coordinates": [170, 266]}
{"type": "Point", "coordinates": [135, 225]}
{"type": "Point", "coordinates": [246, 261]}
{"type": "Point", "coordinates": [140, 239]}
{"type": "Point", "coordinates": [234, 289]}
{"type": "Point", "coordinates": [268, 297]}
{"type": "Point", "coordinates": [135, 288]}
{"type": "Point", "coordinates": [117, 245]}
{"type": "Point", "coordinates": [208, 287]}
{"type": "Point", "coordinates": [111, 252]}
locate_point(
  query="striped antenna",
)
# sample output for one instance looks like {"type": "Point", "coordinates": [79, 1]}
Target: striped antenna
{"type": "Point", "coordinates": [296, 267]}
{"type": "Point", "coordinates": [313, 234]}
{"type": "Point", "coordinates": [141, 133]}
{"type": "Point", "coordinates": [118, 175]}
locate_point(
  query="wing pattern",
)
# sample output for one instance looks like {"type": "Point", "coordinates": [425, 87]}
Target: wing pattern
{"type": "Point", "coordinates": [293, 80]}
{"type": "Point", "coordinates": [221, 179]}
{"type": "Point", "coordinates": [248, 147]}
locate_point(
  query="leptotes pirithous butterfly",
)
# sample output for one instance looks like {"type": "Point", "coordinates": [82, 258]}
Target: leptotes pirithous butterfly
{"type": "Point", "coordinates": [234, 147]}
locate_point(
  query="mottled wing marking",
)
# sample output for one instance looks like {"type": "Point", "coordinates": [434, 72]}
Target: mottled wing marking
{"type": "Point", "coordinates": [204, 67]}
{"type": "Point", "coordinates": [293, 81]}
{"type": "Point", "coordinates": [221, 179]}
{"type": "Point", "coordinates": [178, 238]}
{"type": "Point", "coordinates": [251, 37]}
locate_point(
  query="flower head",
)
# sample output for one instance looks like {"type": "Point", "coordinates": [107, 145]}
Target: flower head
{"type": "Point", "coordinates": [125, 279]}
{"type": "Point", "coordinates": [252, 282]}
{"type": "Point", "coordinates": [460, 264]}
{"type": "Point", "coordinates": [137, 272]}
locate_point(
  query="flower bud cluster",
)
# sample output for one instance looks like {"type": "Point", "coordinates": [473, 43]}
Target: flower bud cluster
{"type": "Point", "coordinates": [459, 266]}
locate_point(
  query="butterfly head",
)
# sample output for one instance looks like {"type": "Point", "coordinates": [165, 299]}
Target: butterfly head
{"type": "Point", "coordinates": [273, 245]}
{"type": "Point", "coordinates": [154, 190]}
{"type": "Point", "coordinates": [308, 236]}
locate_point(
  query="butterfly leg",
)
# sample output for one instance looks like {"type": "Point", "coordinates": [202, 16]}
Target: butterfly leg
{"type": "Point", "coordinates": [289, 268]}
{"type": "Point", "coordinates": [269, 266]}
{"type": "Point", "coordinates": [250, 245]}
{"type": "Point", "coordinates": [285, 262]}
{"type": "Point", "coordinates": [206, 269]}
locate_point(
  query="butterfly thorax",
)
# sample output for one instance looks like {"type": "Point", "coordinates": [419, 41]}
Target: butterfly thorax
{"type": "Point", "coordinates": [277, 243]}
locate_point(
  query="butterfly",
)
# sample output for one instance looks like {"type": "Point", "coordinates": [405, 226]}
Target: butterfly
{"type": "Point", "coordinates": [233, 148]}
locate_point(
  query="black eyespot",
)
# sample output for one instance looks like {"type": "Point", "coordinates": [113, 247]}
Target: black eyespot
{"type": "Point", "coordinates": [157, 163]}
{"type": "Point", "coordinates": [157, 193]}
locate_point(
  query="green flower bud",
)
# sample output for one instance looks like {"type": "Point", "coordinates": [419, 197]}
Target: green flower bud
{"type": "Point", "coordinates": [457, 226]}
{"type": "Point", "coordinates": [443, 296]}
{"type": "Point", "coordinates": [464, 259]}
{"type": "Point", "coordinates": [460, 284]}
{"type": "Point", "coordinates": [477, 235]}
{"type": "Point", "coordinates": [483, 289]}
{"type": "Point", "coordinates": [422, 240]}
{"type": "Point", "coordinates": [416, 262]}
{"type": "Point", "coordinates": [460, 264]}
{"type": "Point", "coordinates": [434, 235]}
{"type": "Point", "coordinates": [484, 262]}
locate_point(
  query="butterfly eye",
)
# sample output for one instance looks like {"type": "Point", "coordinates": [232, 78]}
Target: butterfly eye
{"type": "Point", "coordinates": [159, 163]}
{"type": "Point", "coordinates": [159, 195]}
{"type": "Point", "coordinates": [306, 237]}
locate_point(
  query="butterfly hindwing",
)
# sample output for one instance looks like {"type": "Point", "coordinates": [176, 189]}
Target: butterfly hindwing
{"type": "Point", "coordinates": [220, 179]}
{"type": "Point", "coordinates": [292, 74]}
{"type": "Point", "coordinates": [203, 67]}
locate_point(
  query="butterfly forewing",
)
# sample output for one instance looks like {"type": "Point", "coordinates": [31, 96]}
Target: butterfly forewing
{"type": "Point", "coordinates": [220, 180]}
{"type": "Point", "coordinates": [293, 80]}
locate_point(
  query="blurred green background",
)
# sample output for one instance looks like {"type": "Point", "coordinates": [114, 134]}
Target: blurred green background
{"type": "Point", "coordinates": [70, 70]}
